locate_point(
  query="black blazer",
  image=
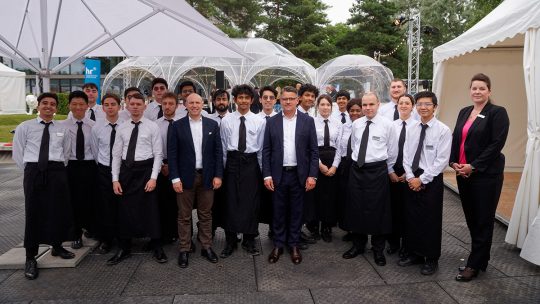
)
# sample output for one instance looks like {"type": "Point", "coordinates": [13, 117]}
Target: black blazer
{"type": "Point", "coordinates": [181, 152]}
{"type": "Point", "coordinates": [307, 151]}
{"type": "Point", "coordinates": [485, 139]}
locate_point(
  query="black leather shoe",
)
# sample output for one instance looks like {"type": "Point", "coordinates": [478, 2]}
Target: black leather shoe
{"type": "Point", "coordinates": [183, 259]}
{"type": "Point", "coordinates": [353, 252]}
{"type": "Point", "coordinates": [296, 256]}
{"type": "Point", "coordinates": [159, 256]}
{"type": "Point", "coordinates": [209, 254]}
{"type": "Point", "coordinates": [31, 271]}
{"type": "Point", "coordinates": [466, 274]}
{"type": "Point", "coordinates": [308, 239]}
{"type": "Point", "coordinates": [77, 244]}
{"type": "Point", "coordinates": [379, 258]}
{"type": "Point", "coordinates": [274, 255]}
{"type": "Point", "coordinates": [429, 267]}
{"type": "Point", "coordinates": [326, 235]}
{"type": "Point", "coordinates": [61, 252]}
{"type": "Point", "coordinates": [227, 251]}
{"type": "Point", "coordinates": [410, 260]}
{"type": "Point", "coordinates": [193, 247]}
{"type": "Point", "coordinates": [103, 248]}
{"type": "Point", "coordinates": [119, 257]}
{"type": "Point", "coordinates": [402, 253]}
{"type": "Point", "coordinates": [250, 248]}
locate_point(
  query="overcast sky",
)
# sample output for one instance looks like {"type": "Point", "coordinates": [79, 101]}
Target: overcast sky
{"type": "Point", "coordinates": [339, 10]}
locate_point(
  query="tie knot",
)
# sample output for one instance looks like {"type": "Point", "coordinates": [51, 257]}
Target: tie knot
{"type": "Point", "coordinates": [242, 118]}
{"type": "Point", "coordinates": [112, 125]}
{"type": "Point", "coordinates": [267, 116]}
{"type": "Point", "coordinates": [424, 126]}
{"type": "Point", "coordinates": [404, 123]}
{"type": "Point", "coordinates": [326, 121]}
{"type": "Point", "coordinates": [136, 123]}
{"type": "Point", "coordinates": [79, 123]}
{"type": "Point", "coordinates": [46, 123]}
{"type": "Point", "coordinates": [343, 114]}
{"type": "Point", "coordinates": [220, 116]}
{"type": "Point", "coordinates": [368, 122]}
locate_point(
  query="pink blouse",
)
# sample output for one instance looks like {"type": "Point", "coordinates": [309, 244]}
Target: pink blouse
{"type": "Point", "coordinates": [464, 132]}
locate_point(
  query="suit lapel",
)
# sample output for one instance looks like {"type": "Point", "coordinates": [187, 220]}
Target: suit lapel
{"type": "Point", "coordinates": [189, 136]}
{"type": "Point", "coordinates": [477, 120]}
{"type": "Point", "coordinates": [205, 132]}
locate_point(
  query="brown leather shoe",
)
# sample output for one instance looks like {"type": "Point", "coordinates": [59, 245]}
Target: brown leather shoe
{"type": "Point", "coordinates": [274, 255]}
{"type": "Point", "coordinates": [296, 256]}
{"type": "Point", "coordinates": [467, 274]}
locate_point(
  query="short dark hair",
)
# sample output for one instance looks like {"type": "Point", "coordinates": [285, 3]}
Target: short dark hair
{"type": "Point", "coordinates": [77, 94]}
{"type": "Point", "coordinates": [243, 89]}
{"type": "Point", "coordinates": [325, 96]}
{"type": "Point", "coordinates": [482, 77]}
{"type": "Point", "coordinates": [110, 95]}
{"type": "Point", "coordinates": [399, 80]}
{"type": "Point", "coordinates": [408, 96]}
{"type": "Point", "coordinates": [159, 80]}
{"type": "Point", "coordinates": [426, 94]}
{"type": "Point", "coordinates": [267, 88]}
{"type": "Point", "coordinates": [130, 89]}
{"type": "Point", "coordinates": [308, 87]}
{"type": "Point", "coordinates": [344, 94]}
{"type": "Point", "coordinates": [49, 95]}
{"type": "Point", "coordinates": [354, 102]}
{"type": "Point", "coordinates": [90, 85]}
{"type": "Point", "coordinates": [289, 89]}
{"type": "Point", "coordinates": [220, 92]}
{"type": "Point", "coordinates": [138, 96]}
{"type": "Point", "coordinates": [170, 95]}
{"type": "Point", "coordinates": [186, 84]}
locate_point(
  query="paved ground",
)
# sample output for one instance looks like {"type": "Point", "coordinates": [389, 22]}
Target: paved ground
{"type": "Point", "coordinates": [323, 277]}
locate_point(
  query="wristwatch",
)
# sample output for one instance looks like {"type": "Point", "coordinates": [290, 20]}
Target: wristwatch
{"type": "Point", "coordinates": [473, 168]}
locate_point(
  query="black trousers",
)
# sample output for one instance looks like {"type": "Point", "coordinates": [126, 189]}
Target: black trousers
{"type": "Point", "coordinates": [479, 195]}
{"type": "Point", "coordinates": [288, 203]}
{"type": "Point", "coordinates": [377, 241]}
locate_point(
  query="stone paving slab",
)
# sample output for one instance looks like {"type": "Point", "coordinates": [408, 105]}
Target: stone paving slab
{"type": "Point", "coordinates": [9, 242]}
{"type": "Point", "coordinates": [119, 300]}
{"type": "Point", "coordinates": [461, 232]}
{"type": "Point", "coordinates": [406, 293]}
{"type": "Point", "coordinates": [4, 274]}
{"type": "Point", "coordinates": [502, 290]}
{"type": "Point", "coordinates": [15, 258]}
{"type": "Point", "coordinates": [269, 297]}
{"type": "Point", "coordinates": [506, 258]}
{"type": "Point", "coordinates": [49, 261]}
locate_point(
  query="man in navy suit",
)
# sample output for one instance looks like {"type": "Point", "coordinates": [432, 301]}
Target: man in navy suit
{"type": "Point", "coordinates": [196, 170]}
{"type": "Point", "coordinates": [290, 167]}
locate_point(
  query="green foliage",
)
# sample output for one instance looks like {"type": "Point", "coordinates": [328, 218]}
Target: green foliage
{"type": "Point", "coordinates": [8, 123]}
{"type": "Point", "coordinates": [479, 9]}
{"type": "Point", "coordinates": [62, 108]}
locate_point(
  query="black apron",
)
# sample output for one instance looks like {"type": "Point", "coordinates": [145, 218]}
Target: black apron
{"type": "Point", "coordinates": [168, 208]}
{"type": "Point", "coordinates": [138, 212]}
{"type": "Point", "coordinates": [368, 209]}
{"type": "Point", "coordinates": [325, 191]}
{"type": "Point", "coordinates": [107, 204]}
{"type": "Point", "coordinates": [243, 176]}
{"type": "Point", "coordinates": [48, 213]}
{"type": "Point", "coordinates": [82, 178]}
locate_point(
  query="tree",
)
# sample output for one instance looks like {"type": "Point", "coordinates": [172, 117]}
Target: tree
{"type": "Point", "coordinates": [479, 9]}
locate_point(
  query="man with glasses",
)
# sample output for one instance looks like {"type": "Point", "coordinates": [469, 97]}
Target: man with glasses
{"type": "Point", "coordinates": [154, 111]}
{"type": "Point", "coordinates": [268, 97]}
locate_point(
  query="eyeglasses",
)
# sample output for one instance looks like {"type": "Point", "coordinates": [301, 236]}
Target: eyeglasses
{"type": "Point", "coordinates": [160, 88]}
{"type": "Point", "coordinates": [187, 91]}
{"type": "Point", "coordinates": [265, 97]}
{"type": "Point", "coordinates": [288, 99]}
{"type": "Point", "coordinates": [424, 104]}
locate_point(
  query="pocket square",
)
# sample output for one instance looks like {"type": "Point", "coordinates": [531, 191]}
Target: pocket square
{"type": "Point", "coordinates": [209, 133]}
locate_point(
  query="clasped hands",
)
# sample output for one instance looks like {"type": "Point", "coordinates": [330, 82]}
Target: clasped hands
{"type": "Point", "coordinates": [463, 170]}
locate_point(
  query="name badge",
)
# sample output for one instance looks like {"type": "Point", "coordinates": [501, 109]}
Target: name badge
{"type": "Point", "coordinates": [377, 138]}
{"type": "Point", "coordinates": [429, 147]}
{"type": "Point", "coordinates": [481, 116]}
{"type": "Point", "coordinates": [251, 132]}
{"type": "Point", "coordinates": [60, 134]}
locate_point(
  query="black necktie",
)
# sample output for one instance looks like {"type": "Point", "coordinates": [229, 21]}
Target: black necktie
{"type": "Point", "coordinates": [79, 153]}
{"type": "Point", "coordinates": [266, 117]}
{"type": "Point", "coordinates": [401, 141]}
{"type": "Point", "coordinates": [242, 135]}
{"type": "Point", "coordinates": [111, 142]}
{"type": "Point", "coordinates": [92, 115]}
{"type": "Point", "coordinates": [363, 145]}
{"type": "Point", "coordinates": [44, 147]}
{"type": "Point", "coordinates": [343, 119]}
{"type": "Point", "coordinates": [170, 121]}
{"type": "Point", "coordinates": [416, 159]}
{"type": "Point", "coordinates": [160, 113]}
{"type": "Point", "coordinates": [326, 134]}
{"type": "Point", "coordinates": [220, 117]}
{"type": "Point", "coordinates": [130, 156]}
{"type": "Point", "coordinates": [396, 113]}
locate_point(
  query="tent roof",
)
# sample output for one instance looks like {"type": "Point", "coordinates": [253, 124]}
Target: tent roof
{"type": "Point", "coordinates": [9, 72]}
{"type": "Point", "coordinates": [510, 18]}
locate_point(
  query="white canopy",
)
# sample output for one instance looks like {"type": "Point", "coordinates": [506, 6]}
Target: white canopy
{"type": "Point", "coordinates": [12, 85]}
{"type": "Point", "coordinates": [505, 45]}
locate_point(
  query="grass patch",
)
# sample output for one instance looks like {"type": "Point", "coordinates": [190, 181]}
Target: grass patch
{"type": "Point", "coordinates": [10, 122]}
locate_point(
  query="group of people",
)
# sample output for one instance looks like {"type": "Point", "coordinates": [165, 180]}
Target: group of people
{"type": "Point", "coordinates": [370, 168]}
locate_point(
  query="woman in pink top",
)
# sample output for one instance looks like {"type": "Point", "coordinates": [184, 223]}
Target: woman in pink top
{"type": "Point", "coordinates": [479, 137]}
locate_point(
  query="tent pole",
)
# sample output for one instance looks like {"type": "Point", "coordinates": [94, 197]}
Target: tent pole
{"type": "Point", "coordinates": [45, 73]}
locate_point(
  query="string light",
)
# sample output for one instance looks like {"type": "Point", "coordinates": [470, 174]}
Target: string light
{"type": "Point", "coordinates": [377, 55]}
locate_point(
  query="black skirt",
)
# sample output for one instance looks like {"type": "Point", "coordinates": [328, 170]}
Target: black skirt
{"type": "Point", "coordinates": [325, 192]}
{"type": "Point", "coordinates": [138, 212]}
{"type": "Point", "coordinates": [243, 176]}
{"type": "Point", "coordinates": [48, 213]}
{"type": "Point", "coordinates": [368, 209]}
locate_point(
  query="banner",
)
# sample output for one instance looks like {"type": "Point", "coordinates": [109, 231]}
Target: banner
{"type": "Point", "coordinates": [92, 74]}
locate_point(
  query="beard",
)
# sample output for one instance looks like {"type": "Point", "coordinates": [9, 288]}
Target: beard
{"type": "Point", "coordinates": [222, 108]}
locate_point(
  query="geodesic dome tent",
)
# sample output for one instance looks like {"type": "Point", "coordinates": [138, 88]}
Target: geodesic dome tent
{"type": "Point", "coordinates": [357, 73]}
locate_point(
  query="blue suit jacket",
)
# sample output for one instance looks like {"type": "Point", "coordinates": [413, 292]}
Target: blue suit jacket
{"type": "Point", "coordinates": [307, 151]}
{"type": "Point", "coordinates": [181, 152]}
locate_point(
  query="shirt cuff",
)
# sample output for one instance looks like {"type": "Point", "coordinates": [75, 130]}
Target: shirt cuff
{"type": "Point", "coordinates": [268, 177]}
{"type": "Point", "coordinates": [175, 180]}
{"type": "Point", "coordinates": [115, 178]}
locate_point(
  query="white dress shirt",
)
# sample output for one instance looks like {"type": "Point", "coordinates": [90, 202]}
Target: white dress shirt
{"type": "Point", "coordinates": [344, 141]}
{"type": "Point", "coordinates": [163, 125]}
{"type": "Point", "coordinates": [310, 111]}
{"type": "Point", "coordinates": [197, 136]}
{"type": "Point", "coordinates": [289, 138]}
{"type": "Point", "coordinates": [230, 129]}
{"type": "Point", "coordinates": [101, 140]}
{"type": "Point", "coordinates": [71, 126]}
{"type": "Point", "coordinates": [148, 145]}
{"type": "Point", "coordinates": [124, 115]}
{"type": "Point", "coordinates": [152, 110]}
{"type": "Point", "coordinates": [27, 141]}
{"type": "Point", "coordinates": [435, 152]}
{"type": "Point", "coordinates": [337, 115]}
{"type": "Point", "coordinates": [263, 115]}
{"type": "Point", "coordinates": [398, 123]}
{"type": "Point", "coordinates": [215, 116]}
{"type": "Point", "coordinates": [382, 141]}
{"type": "Point", "coordinates": [387, 110]}
{"type": "Point", "coordinates": [335, 135]}
{"type": "Point", "coordinates": [98, 112]}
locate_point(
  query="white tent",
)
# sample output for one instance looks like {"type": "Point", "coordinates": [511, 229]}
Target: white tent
{"type": "Point", "coordinates": [11, 91]}
{"type": "Point", "coordinates": [505, 45]}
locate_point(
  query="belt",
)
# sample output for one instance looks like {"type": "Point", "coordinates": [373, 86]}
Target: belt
{"type": "Point", "coordinates": [289, 168]}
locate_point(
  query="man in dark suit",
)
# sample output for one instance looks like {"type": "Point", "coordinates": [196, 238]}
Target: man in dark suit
{"type": "Point", "coordinates": [196, 170]}
{"type": "Point", "coordinates": [290, 167]}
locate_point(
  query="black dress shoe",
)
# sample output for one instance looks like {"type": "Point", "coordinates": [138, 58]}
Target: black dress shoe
{"type": "Point", "coordinates": [159, 256]}
{"type": "Point", "coordinates": [183, 258]}
{"type": "Point", "coordinates": [308, 239]}
{"type": "Point", "coordinates": [250, 248]}
{"type": "Point", "coordinates": [466, 274]}
{"type": "Point", "coordinates": [227, 251]}
{"type": "Point", "coordinates": [410, 260]}
{"type": "Point", "coordinates": [31, 271]}
{"type": "Point", "coordinates": [209, 254]}
{"type": "Point", "coordinates": [193, 247]}
{"type": "Point", "coordinates": [296, 256]}
{"type": "Point", "coordinates": [77, 244]}
{"type": "Point", "coordinates": [103, 248]}
{"type": "Point", "coordinates": [119, 257]}
{"type": "Point", "coordinates": [274, 255]}
{"type": "Point", "coordinates": [326, 235]}
{"type": "Point", "coordinates": [353, 252]}
{"type": "Point", "coordinates": [61, 252]}
{"type": "Point", "coordinates": [402, 253]}
{"type": "Point", "coordinates": [429, 267]}
{"type": "Point", "coordinates": [379, 258]}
